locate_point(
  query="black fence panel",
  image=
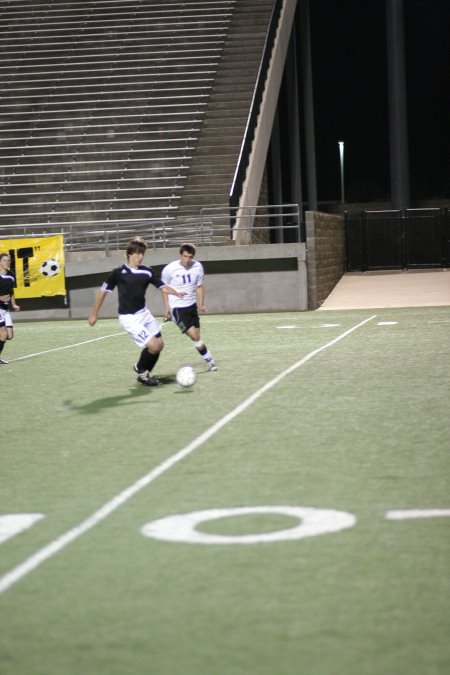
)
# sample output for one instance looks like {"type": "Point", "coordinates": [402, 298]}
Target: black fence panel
{"type": "Point", "coordinates": [406, 239]}
{"type": "Point", "coordinates": [425, 237]}
{"type": "Point", "coordinates": [382, 240]}
{"type": "Point", "coordinates": [354, 241]}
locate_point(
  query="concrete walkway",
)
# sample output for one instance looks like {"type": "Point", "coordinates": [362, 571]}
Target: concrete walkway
{"type": "Point", "coordinates": [411, 288]}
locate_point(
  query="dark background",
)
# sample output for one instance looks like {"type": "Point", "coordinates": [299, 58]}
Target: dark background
{"type": "Point", "coordinates": [348, 40]}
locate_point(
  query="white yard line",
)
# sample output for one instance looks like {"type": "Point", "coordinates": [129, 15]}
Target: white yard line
{"type": "Point", "coordinates": [35, 560]}
{"type": "Point", "coordinates": [413, 514]}
{"type": "Point", "coordinates": [57, 349]}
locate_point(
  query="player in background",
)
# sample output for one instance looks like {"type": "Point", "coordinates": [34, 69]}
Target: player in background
{"type": "Point", "coordinates": [187, 274]}
{"type": "Point", "coordinates": [7, 299]}
{"type": "Point", "coordinates": [132, 280]}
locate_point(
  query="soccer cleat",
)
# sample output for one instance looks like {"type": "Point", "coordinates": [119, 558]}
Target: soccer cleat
{"type": "Point", "coordinates": [212, 366]}
{"type": "Point", "coordinates": [3, 362]}
{"type": "Point", "coordinates": [144, 377]}
{"type": "Point", "coordinates": [148, 380]}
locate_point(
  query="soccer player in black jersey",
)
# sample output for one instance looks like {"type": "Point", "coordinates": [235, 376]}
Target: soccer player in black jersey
{"type": "Point", "coordinates": [132, 280]}
{"type": "Point", "coordinates": [7, 283]}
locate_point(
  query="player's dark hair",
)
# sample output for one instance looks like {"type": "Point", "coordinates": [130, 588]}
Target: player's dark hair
{"type": "Point", "coordinates": [187, 248]}
{"type": "Point", "coordinates": [136, 245]}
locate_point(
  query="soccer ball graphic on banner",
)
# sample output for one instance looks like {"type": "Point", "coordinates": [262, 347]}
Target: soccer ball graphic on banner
{"type": "Point", "coordinates": [186, 376]}
{"type": "Point", "coordinates": [50, 268]}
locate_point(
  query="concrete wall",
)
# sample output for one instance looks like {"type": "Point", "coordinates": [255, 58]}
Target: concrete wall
{"type": "Point", "coordinates": [325, 243]}
{"type": "Point", "coordinates": [240, 279]}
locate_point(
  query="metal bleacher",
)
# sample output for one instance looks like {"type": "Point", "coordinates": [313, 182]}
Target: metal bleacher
{"type": "Point", "coordinates": [113, 113]}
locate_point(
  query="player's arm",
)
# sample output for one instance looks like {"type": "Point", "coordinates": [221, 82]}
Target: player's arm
{"type": "Point", "coordinates": [14, 304]}
{"type": "Point", "coordinates": [200, 290]}
{"type": "Point", "coordinates": [165, 278]}
{"type": "Point", "coordinates": [167, 312]}
{"type": "Point", "coordinates": [170, 290]}
{"type": "Point", "coordinates": [101, 295]}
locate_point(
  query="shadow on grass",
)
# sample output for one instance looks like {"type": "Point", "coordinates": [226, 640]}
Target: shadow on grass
{"type": "Point", "coordinates": [137, 392]}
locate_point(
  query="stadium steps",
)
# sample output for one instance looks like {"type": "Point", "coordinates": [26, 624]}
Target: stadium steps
{"type": "Point", "coordinates": [102, 107]}
{"type": "Point", "coordinates": [124, 112]}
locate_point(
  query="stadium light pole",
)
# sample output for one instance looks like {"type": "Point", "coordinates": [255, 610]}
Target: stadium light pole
{"type": "Point", "coordinates": [341, 164]}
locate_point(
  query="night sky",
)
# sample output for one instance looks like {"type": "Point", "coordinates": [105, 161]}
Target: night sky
{"type": "Point", "coordinates": [350, 97]}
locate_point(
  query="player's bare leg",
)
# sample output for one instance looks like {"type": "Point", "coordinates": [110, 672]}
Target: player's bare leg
{"type": "Point", "coordinates": [3, 338]}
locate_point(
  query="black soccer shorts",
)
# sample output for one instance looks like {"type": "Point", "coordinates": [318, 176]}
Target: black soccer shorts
{"type": "Point", "coordinates": [185, 317]}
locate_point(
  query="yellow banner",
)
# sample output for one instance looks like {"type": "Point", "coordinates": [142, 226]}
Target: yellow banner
{"type": "Point", "coordinates": [38, 263]}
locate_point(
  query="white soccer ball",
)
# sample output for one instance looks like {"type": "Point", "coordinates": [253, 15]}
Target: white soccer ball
{"type": "Point", "coordinates": [186, 376]}
{"type": "Point", "coordinates": [50, 268]}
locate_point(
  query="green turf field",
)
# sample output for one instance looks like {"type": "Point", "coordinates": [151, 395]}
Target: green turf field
{"type": "Point", "coordinates": [331, 427]}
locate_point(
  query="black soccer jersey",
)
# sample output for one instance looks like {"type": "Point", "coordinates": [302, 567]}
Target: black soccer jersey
{"type": "Point", "coordinates": [7, 283]}
{"type": "Point", "coordinates": [132, 283]}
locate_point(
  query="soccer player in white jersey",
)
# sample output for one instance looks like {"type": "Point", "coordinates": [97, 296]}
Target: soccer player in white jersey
{"type": "Point", "coordinates": [187, 274]}
{"type": "Point", "coordinates": [132, 280]}
{"type": "Point", "coordinates": [7, 300]}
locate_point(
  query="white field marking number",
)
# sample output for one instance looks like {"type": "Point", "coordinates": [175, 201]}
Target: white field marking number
{"type": "Point", "coordinates": [182, 527]}
{"type": "Point", "coordinates": [15, 523]}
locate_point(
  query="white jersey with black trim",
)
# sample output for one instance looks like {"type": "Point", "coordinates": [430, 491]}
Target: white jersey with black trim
{"type": "Point", "coordinates": [186, 279]}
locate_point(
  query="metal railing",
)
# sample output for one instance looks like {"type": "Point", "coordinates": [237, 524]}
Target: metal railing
{"type": "Point", "coordinates": [110, 237]}
{"type": "Point", "coordinates": [273, 223]}
{"type": "Point", "coordinates": [268, 223]}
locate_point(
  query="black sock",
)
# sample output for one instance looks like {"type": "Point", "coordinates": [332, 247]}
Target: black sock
{"type": "Point", "coordinates": [147, 361]}
{"type": "Point", "coordinates": [2, 344]}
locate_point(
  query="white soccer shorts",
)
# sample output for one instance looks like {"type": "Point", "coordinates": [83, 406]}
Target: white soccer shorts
{"type": "Point", "coordinates": [142, 326]}
{"type": "Point", "coordinates": [5, 318]}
